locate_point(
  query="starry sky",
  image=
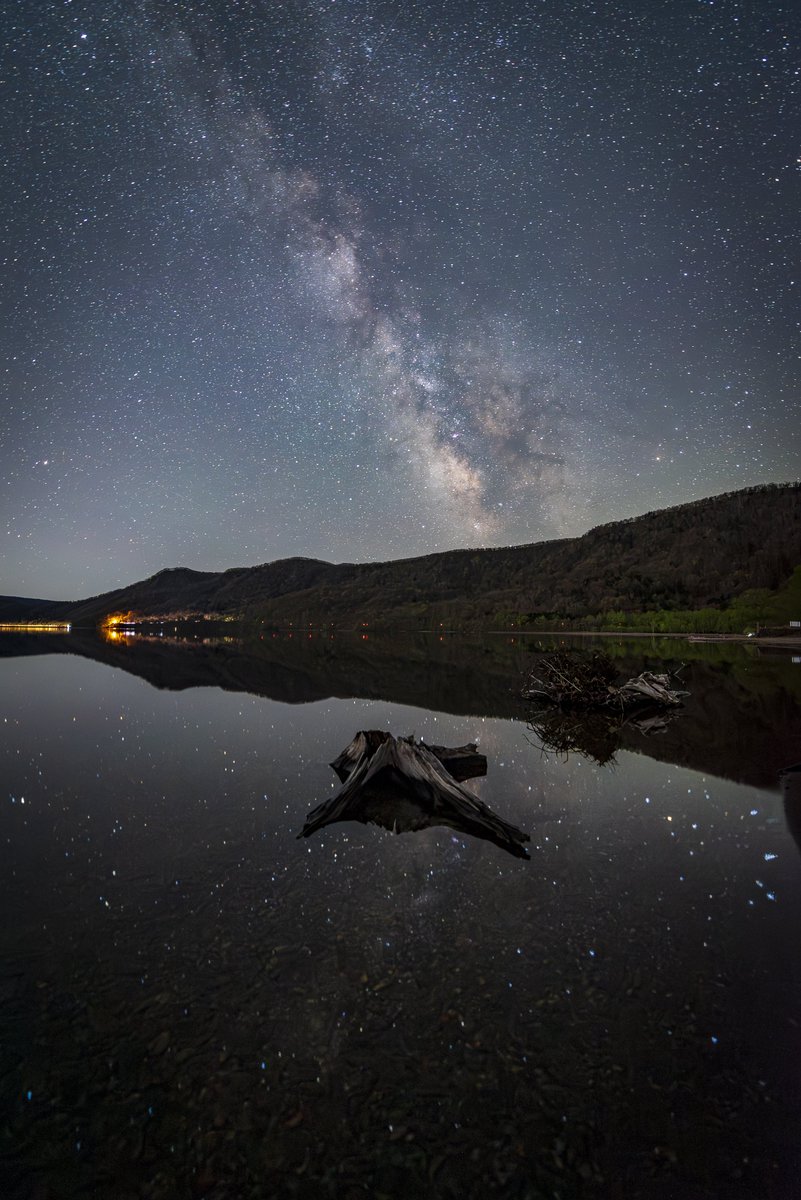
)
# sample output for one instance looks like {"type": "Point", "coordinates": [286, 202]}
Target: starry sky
{"type": "Point", "coordinates": [361, 280]}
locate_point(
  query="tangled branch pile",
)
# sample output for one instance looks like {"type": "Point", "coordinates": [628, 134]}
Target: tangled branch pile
{"type": "Point", "coordinates": [587, 681]}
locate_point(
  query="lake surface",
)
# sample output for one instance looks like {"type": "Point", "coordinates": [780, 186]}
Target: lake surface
{"type": "Point", "coordinates": [195, 1003]}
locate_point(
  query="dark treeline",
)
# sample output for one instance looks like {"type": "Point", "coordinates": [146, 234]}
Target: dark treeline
{"type": "Point", "coordinates": [702, 555]}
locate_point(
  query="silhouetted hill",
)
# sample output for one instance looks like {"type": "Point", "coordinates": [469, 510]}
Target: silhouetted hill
{"type": "Point", "coordinates": [694, 555]}
{"type": "Point", "coordinates": [179, 590]}
{"type": "Point", "coordinates": [20, 608]}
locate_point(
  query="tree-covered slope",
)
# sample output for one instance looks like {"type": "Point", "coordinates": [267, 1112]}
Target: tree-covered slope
{"type": "Point", "coordinates": [694, 555]}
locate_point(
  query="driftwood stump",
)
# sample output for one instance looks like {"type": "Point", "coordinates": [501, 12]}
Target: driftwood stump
{"type": "Point", "coordinates": [461, 762]}
{"type": "Point", "coordinates": [403, 785]}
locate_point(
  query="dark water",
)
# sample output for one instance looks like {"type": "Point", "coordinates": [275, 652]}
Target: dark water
{"type": "Point", "coordinates": [196, 1003]}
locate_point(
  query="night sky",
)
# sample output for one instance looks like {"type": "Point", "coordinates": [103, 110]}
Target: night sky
{"type": "Point", "coordinates": [357, 280]}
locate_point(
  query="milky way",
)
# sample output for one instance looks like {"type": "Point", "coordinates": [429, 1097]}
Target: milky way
{"type": "Point", "coordinates": [356, 281]}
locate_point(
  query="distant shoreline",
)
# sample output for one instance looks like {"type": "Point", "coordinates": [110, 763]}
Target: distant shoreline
{"type": "Point", "coordinates": [792, 641]}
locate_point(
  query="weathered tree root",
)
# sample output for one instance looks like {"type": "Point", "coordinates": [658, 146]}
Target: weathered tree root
{"type": "Point", "coordinates": [402, 785]}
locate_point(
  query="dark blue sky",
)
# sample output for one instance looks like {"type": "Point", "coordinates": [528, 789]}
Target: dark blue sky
{"type": "Point", "coordinates": [356, 280]}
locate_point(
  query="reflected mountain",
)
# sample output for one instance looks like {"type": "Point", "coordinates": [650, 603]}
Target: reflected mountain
{"type": "Point", "coordinates": [741, 721]}
{"type": "Point", "coordinates": [480, 678]}
{"type": "Point", "coordinates": [790, 779]}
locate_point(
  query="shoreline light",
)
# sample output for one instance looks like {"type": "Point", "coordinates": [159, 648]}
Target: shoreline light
{"type": "Point", "coordinates": [35, 626]}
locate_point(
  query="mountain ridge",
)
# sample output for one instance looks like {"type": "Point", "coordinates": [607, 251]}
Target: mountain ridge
{"type": "Point", "coordinates": [704, 552]}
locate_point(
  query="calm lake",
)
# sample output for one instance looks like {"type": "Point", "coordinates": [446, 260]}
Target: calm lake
{"type": "Point", "coordinates": [195, 1003]}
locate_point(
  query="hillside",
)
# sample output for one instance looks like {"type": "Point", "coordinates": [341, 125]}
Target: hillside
{"type": "Point", "coordinates": [691, 556]}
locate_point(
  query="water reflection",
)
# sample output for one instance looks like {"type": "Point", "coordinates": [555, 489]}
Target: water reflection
{"type": "Point", "coordinates": [195, 1003]}
{"type": "Point", "coordinates": [791, 790]}
{"type": "Point", "coordinates": [595, 735]}
{"type": "Point", "coordinates": [742, 719]}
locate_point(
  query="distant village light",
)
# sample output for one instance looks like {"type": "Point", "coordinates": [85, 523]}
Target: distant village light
{"type": "Point", "coordinates": [35, 626]}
